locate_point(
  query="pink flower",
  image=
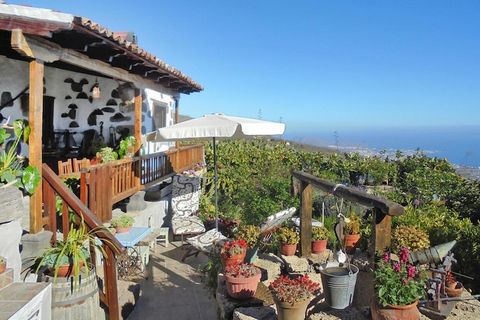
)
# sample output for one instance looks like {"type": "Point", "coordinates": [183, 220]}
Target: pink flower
{"type": "Point", "coordinates": [386, 256]}
{"type": "Point", "coordinates": [396, 267]}
{"type": "Point", "coordinates": [404, 254]}
{"type": "Point", "coordinates": [411, 271]}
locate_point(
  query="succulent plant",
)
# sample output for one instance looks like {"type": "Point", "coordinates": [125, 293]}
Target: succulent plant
{"type": "Point", "coordinates": [250, 233]}
{"type": "Point", "coordinates": [243, 270]}
{"type": "Point", "coordinates": [410, 237]}
{"type": "Point", "coordinates": [124, 221]}
{"type": "Point", "coordinates": [320, 233]}
{"type": "Point", "coordinates": [353, 226]}
{"type": "Point", "coordinates": [287, 235]}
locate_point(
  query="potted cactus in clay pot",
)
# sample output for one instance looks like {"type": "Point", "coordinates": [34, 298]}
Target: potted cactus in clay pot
{"type": "Point", "coordinates": [352, 233]}
{"type": "Point", "coordinates": [233, 252]}
{"type": "Point", "coordinates": [251, 235]}
{"type": "Point", "coordinates": [288, 239]}
{"type": "Point", "coordinates": [320, 237]}
{"type": "Point", "coordinates": [292, 296]}
{"type": "Point", "coordinates": [242, 280]}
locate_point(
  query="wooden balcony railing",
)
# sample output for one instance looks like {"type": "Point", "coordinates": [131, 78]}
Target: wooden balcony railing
{"type": "Point", "coordinates": [101, 186]}
{"type": "Point", "coordinates": [54, 187]}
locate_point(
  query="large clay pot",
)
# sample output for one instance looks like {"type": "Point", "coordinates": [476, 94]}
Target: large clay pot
{"type": "Point", "coordinates": [288, 249]}
{"type": "Point", "coordinates": [242, 288]}
{"type": "Point", "coordinates": [289, 311]}
{"type": "Point", "coordinates": [391, 312]}
{"type": "Point", "coordinates": [351, 241]}
{"type": "Point", "coordinates": [233, 260]}
{"type": "Point", "coordinates": [318, 246]}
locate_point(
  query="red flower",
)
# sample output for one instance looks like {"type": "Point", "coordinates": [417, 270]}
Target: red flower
{"type": "Point", "coordinates": [404, 254]}
{"type": "Point", "coordinates": [386, 256]}
{"type": "Point", "coordinates": [396, 266]}
{"type": "Point", "coordinates": [411, 271]}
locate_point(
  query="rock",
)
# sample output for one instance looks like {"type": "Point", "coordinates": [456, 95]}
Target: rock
{"type": "Point", "coordinates": [137, 202]}
{"type": "Point", "coordinates": [33, 245]}
{"type": "Point", "coordinates": [297, 265]}
{"type": "Point", "coordinates": [263, 313]}
{"type": "Point", "coordinates": [362, 261]}
{"type": "Point", "coordinates": [11, 204]}
{"type": "Point", "coordinates": [321, 258]}
{"type": "Point", "coordinates": [345, 314]}
{"type": "Point", "coordinates": [270, 265]}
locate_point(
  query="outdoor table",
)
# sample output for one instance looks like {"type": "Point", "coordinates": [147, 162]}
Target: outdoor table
{"type": "Point", "coordinates": [133, 261]}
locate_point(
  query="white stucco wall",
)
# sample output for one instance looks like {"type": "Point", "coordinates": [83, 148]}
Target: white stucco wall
{"type": "Point", "coordinates": [14, 78]}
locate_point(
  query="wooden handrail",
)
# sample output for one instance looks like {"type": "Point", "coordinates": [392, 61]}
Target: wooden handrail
{"type": "Point", "coordinates": [81, 210]}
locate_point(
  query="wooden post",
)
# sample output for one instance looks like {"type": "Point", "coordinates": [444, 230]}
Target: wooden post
{"type": "Point", "coordinates": [306, 220]}
{"type": "Point", "coordinates": [35, 118]}
{"type": "Point", "coordinates": [177, 118]}
{"type": "Point", "coordinates": [137, 122]}
{"type": "Point", "coordinates": [382, 231]}
{"type": "Point", "coordinates": [110, 271]}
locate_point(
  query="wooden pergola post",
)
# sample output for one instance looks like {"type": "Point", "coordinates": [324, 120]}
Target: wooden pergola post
{"type": "Point", "coordinates": [382, 232]}
{"type": "Point", "coordinates": [137, 120]}
{"type": "Point", "coordinates": [306, 219]}
{"type": "Point", "coordinates": [35, 119]}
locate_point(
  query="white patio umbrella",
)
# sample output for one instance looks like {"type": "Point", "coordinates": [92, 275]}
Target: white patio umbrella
{"type": "Point", "coordinates": [218, 126]}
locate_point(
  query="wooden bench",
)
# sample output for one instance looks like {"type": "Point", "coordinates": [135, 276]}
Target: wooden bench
{"type": "Point", "coordinates": [71, 168]}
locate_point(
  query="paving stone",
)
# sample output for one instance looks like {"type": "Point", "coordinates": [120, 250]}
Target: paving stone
{"type": "Point", "coordinates": [255, 313]}
{"type": "Point", "coordinates": [137, 202]}
{"type": "Point", "coordinates": [270, 265]}
{"type": "Point", "coordinates": [297, 264]}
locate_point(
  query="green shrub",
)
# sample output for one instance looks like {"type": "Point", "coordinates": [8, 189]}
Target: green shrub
{"type": "Point", "coordinates": [412, 238]}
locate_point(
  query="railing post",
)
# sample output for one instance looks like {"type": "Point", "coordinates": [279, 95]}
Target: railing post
{"type": "Point", "coordinates": [83, 187]}
{"type": "Point", "coordinates": [110, 270]}
{"type": "Point", "coordinates": [50, 209]}
{"type": "Point", "coordinates": [306, 220]}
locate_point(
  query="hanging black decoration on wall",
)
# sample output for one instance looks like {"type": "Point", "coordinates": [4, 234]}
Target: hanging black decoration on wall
{"type": "Point", "coordinates": [6, 100]}
{"type": "Point", "coordinates": [108, 109]}
{"type": "Point", "coordinates": [82, 95]}
{"type": "Point", "coordinates": [115, 94]}
{"type": "Point", "coordinates": [118, 117]}
{"type": "Point", "coordinates": [68, 97]}
{"type": "Point", "coordinates": [76, 86]}
{"type": "Point", "coordinates": [112, 102]}
{"type": "Point", "coordinates": [92, 118]}
{"type": "Point", "coordinates": [74, 124]}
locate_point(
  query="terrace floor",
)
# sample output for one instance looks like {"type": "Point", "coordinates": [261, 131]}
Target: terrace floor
{"type": "Point", "coordinates": [174, 289]}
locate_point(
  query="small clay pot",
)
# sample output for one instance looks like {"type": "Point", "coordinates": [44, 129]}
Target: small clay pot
{"type": "Point", "coordinates": [122, 229]}
{"type": "Point", "coordinates": [318, 246]}
{"type": "Point", "coordinates": [288, 249]}
{"type": "Point", "coordinates": [233, 260]}
{"type": "Point", "coordinates": [454, 289]}
{"type": "Point", "coordinates": [351, 242]}
{"type": "Point", "coordinates": [3, 267]}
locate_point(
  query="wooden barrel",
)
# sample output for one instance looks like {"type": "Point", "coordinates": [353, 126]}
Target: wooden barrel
{"type": "Point", "coordinates": [72, 301]}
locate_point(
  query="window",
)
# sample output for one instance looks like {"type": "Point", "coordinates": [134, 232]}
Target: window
{"type": "Point", "coordinates": [159, 115]}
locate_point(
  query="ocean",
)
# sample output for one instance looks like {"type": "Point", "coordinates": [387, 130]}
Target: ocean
{"type": "Point", "coordinates": [460, 145]}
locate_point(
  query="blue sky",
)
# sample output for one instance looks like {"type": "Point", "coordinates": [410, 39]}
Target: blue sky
{"type": "Point", "coordinates": [329, 64]}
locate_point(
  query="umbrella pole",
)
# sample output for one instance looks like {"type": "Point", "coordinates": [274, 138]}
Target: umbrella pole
{"type": "Point", "coordinates": [215, 178]}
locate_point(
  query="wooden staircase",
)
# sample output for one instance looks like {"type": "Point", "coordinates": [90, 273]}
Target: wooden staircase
{"type": "Point", "coordinates": [53, 186]}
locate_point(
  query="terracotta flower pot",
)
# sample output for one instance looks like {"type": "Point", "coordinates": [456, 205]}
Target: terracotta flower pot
{"type": "Point", "coordinates": [318, 246]}
{"type": "Point", "coordinates": [242, 288]}
{"type": "Point", "coordinates": [289, 311]}
{"type": "Point", "coordinates": [454, 289]}
{"type": "Point", "coordinates": [351, 242]}
{"type": "Point", "coordinates": [122, 229]}
{"type": "Point", "coordinates": [65, 270]}
{"type": "Point", "coordinates": [392, 312]}
{"type": "Point", "coordinates": [288, 249]}
{"type": "Point", "coordinates": [233, 260]}
{"type": "Point", "coordinates": [3, 266]}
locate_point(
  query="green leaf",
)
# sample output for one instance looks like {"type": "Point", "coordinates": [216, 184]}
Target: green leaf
{"type": "Point", "coordinates": [30, 179]}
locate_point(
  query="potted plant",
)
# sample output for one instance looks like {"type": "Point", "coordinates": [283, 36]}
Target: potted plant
{"type": "Point", "coordinates": [398, 287]}
{"type": "Point", "coordinates": [233, 252]}
{"type": "Point", "coordinates": [251, 234]}
{"type": "Point", "coordinates": [292, 296]}
{"type": "Point", "coordinates": [106, 155]}
{"type": "Point", "coordinates": [123, 223]}
{"type": "Point", "coordinates": [453, 288]}
{"type": "Point", "coordinates": [242, 280]}
{"type": "Point", "coordinates": [127, 147]}
{"type": "Point", "coordinates": [3, 264]}
{"type": "Point", "coordinates": [69, 257]}
{"type": "Point", "coordinates": [288, 238]}
{"type": "Point", "coordinates": [320, 237]}
{"type": "Point", "coordinates": [352, 233]}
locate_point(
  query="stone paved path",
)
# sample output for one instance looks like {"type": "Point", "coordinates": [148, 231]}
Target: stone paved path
{"type": "Point", "coordinates": [174, 290]}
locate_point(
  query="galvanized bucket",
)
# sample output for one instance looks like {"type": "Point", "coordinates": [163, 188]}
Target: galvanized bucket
{"type": "Point", "coordinates": [339, 285]}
